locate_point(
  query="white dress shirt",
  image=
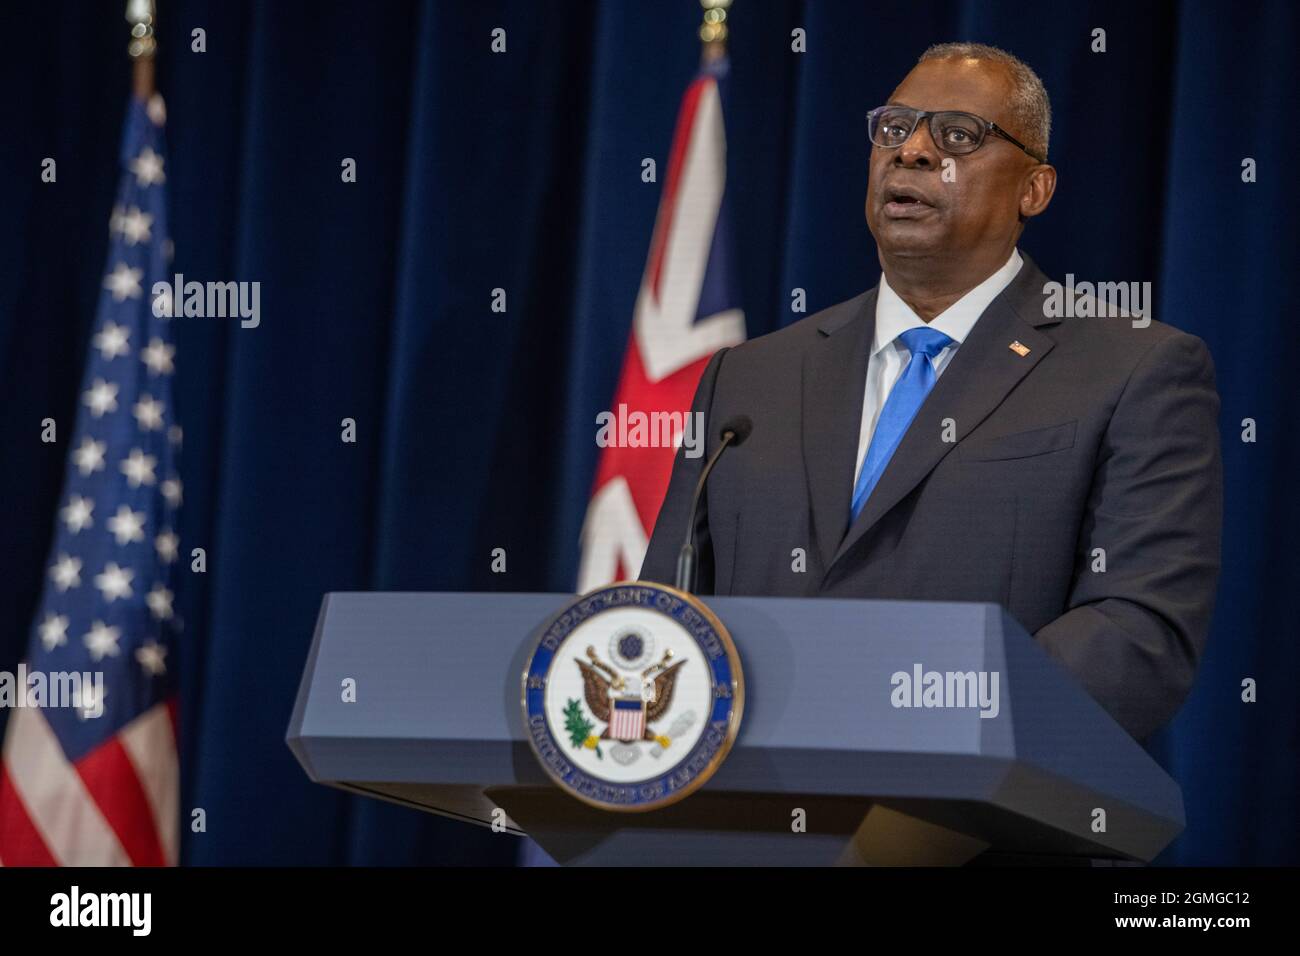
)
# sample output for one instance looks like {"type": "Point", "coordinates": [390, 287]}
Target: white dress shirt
{"type": "Point", "coordinates": [889, 356]}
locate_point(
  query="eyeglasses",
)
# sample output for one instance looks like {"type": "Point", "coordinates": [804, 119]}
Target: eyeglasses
{"type": "Point", "coordinates": [952, 131]}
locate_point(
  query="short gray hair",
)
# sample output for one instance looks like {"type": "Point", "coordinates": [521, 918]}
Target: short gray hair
{"type": "Point", "coordinates": [1029, 103]}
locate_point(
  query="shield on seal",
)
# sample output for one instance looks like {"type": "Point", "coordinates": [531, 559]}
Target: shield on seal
{"type": "Point", "coordinates": [627, 719]}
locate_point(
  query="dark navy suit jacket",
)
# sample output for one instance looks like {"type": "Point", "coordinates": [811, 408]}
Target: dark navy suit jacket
{"type": "Point", "coordinates": [1018, 478]}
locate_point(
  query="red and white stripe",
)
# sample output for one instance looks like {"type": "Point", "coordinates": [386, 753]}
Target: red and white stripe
{"type": "Point", "coordinates": [667, 350]}
{"type": "Point", "coordinates": [627, 723]}
{"type": "Point", "coordinates": [116, 806]}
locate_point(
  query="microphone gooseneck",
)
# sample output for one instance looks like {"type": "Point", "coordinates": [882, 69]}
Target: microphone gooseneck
{"type": "Point", "coordinates": [733, 432]}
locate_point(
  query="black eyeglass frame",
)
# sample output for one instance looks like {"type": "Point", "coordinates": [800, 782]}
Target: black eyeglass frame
{"type": "Point", "coordinates": [987, 126]}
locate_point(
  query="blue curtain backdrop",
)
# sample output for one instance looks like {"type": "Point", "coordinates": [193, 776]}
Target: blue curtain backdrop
{"type": "Point", "coordinates": [521, 171]}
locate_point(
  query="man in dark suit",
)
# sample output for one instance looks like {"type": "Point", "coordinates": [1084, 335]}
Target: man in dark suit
{"type": "Point", "coordinates": [952, 435]}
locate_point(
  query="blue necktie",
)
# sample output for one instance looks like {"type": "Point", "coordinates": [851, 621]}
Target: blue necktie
{"type": "Point", "coordinates": [900, 408]}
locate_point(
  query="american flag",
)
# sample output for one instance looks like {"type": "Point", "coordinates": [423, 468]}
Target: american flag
{"type": "Point", "coordinates": [688, 307]}
{"type": "Point", "coordinates": [75, 788]}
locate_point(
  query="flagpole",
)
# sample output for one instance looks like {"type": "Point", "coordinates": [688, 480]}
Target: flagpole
{"type": "Point", "coordinates": [141, 14]}
{"type": "Point", "coordinates": [713, 31]}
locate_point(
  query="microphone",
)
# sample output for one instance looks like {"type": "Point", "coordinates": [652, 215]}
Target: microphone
{"type": "Point", "coordinates": [733, 432]}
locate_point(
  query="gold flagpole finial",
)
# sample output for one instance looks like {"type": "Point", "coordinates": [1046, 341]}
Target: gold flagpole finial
{"type": "Point", "coordinates": [140, 14]}
{"type": "Point", "coordinates": [713, 31]}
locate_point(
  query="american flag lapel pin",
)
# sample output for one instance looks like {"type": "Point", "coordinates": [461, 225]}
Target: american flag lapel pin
{"type": "Point", "coordinates": [1019, 348]}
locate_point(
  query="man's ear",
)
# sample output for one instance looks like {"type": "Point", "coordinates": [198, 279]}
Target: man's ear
{"type": "Point", "coordinates": [1040, 186]}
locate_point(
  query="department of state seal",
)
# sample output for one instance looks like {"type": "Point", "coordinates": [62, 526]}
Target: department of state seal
{"type": "Point", "coordinates": [633, 696]}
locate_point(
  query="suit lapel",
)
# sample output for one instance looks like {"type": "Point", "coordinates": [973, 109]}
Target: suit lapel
{"type": "Point", "coordinates": [977, 379]}
{"type": "Point", "coordinates": [834, 376]}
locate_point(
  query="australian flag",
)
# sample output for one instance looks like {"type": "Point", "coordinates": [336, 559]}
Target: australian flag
{"type": "Point", "coordinates": [97, 783]}
{"type": "Point", "coordinates": [687, 308]}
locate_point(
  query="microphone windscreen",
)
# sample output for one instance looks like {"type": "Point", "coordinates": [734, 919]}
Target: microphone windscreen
{"type": "Point", "coordinates": [739, 425]}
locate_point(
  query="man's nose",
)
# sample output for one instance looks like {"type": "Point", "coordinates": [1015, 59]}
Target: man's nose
{"type": "Point", "coordinates": [919, 150]}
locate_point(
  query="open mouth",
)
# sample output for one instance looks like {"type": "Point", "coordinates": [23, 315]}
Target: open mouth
{"type": "Point", "coordinates": [904, 203]}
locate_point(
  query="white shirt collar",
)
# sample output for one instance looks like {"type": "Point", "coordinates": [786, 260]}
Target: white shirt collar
{"type": "Point", "coordinates": [894, 316]}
